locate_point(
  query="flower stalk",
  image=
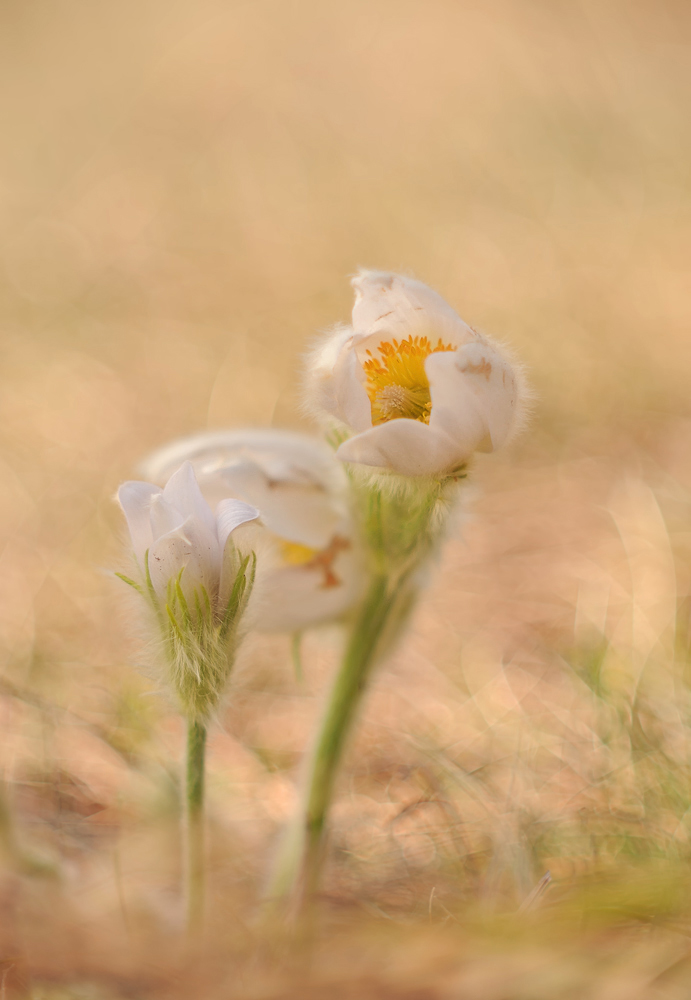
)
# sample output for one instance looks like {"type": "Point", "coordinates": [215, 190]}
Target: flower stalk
{"type": "Point", "coordinates": [194, 824]}
{"type": "Point", "coordinates": [410, 392]}
{"type": "Point", "coordinates": [195, 585]}
{"type": "Point", "coordinates": [342, 708]}
{"type": "Point", "coordinates": [402, 521]}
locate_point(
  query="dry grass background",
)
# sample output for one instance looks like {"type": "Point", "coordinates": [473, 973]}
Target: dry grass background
{"type": "Point", "coordinates": [184, 189]}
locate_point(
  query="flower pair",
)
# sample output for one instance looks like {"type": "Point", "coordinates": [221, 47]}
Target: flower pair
{"type": "Point", "coordinates": [410, 392]}
{"type": "Point", "coordinates": [410, 388]}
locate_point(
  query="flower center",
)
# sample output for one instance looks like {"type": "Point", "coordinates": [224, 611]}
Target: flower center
{"type": "Point", "coordinates": [295, 554]}
{"type": "Point", "coordinates": [396, 380]}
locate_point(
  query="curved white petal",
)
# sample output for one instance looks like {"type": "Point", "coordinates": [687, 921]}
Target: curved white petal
{"type": "Point", "coordinates": [395, 305]}
{"type": "Point", "coordinates": [455, 410]}
{"type": "Point", "coordinates": [405, 446]}
{"type": "Point", "coordinates": [230, 514]}
{"type": "Point", "coordinates": [164, 517]}
{"type": "Point", "coordinates": [298, 512]}
{"type": "Point", "coordinates": [495, 388]}
{"type": "Point", "coordinates": [474, 396]}
{"type": "Point", "coordinates": [282, 455]}
{"type": "Point", "coordinates": [295, 480]}
{"type": "Point", "coordinates": [302, 516]}
{"type": "Point", "coordinates": [239, 480]}
{"type": "Point", "coordinates": [350, 400]}
{"type": "Point", "coordinates": [249, 537]}
{"type": "Point", "coordinates": [205, 563]}
{"type": "Point", "coordinates": [294, 598]}
{"type": "Point", "coordinates": [182, 492]}
{"type": "Point", "coordinates": [191, 547]}
{"type": "Point", "coordinates": [321, 362]}
{"type": "Point", "coordinates": [135, 499]}
{"type": "Point", "coordinates": [167, 556]}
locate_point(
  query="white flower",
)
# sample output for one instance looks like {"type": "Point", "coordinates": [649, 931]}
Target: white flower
{"type": "Point", "coordinates": [175, 534]}
{"type": "Point", "coordinates": [418, 388]}
{"type": "Point", "coordinates": [310, 570]}
{"type": "Point", "coordinates": [193, 579]}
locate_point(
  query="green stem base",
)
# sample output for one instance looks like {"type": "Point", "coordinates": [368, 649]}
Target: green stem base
{"type": "Point", "coordinates": [194, 825]}
{"type": "Point", "coordinates": [299, 863]}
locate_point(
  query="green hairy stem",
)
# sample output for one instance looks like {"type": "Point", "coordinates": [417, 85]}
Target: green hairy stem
{"type": "Point", "coordinates": [299, 861]}
{"type": "Point", "coordinates": [341, 711]}
{"type": "Point", "coordinates": [194, 825]}
{"type": "Point", "coordinates": [401, 522]}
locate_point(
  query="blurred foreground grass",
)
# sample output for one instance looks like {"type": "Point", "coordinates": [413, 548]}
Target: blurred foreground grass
{"type": "Point", "coordinates": [184, 189]}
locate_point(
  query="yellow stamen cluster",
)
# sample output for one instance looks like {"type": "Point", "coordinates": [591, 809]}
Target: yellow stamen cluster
{"type": "Point", "coordinates": [397, 383]}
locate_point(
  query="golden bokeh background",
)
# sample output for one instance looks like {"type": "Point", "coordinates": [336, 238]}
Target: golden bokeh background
{"type": "Point", "coordinates": [184, 190]}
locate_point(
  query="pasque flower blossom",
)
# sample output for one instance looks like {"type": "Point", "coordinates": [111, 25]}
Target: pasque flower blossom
{"type": "Point", "coordinates": [309, 567]}
{"type": "Point", "coordinates": [416, 389]}
{"type": "Point", "coordinates": [192, 577]}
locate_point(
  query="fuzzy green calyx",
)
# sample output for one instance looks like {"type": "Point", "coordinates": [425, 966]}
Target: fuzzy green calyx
{"type": "Point", "coordinates": [402, 519]}
{"type": "Point", "coordinates": [199, 633]}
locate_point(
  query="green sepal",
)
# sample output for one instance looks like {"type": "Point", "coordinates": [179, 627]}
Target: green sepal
{"type": "Point", "coordinates": [149, 585]}
{"type": "Point", "coordinates": [186, 619]}
{"type": "Point", "coordinates": [131, 583]}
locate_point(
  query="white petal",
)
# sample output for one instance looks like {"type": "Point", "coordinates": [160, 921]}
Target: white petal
{"type": "Point", "coordinates": [454, 405]}
{"type": "Point", "coordinates": [182, 491]}
{"type": "Point", "coordinates": [395, 305]}
{"type": "Point", "coordinates": [295, 598]}
{"type": "Point", "coordinates": [249, 537]}
{"type": "Point", "coordinates": [205, 562]}
{"type": "Point", "coordinates": [282, 455]}
{"type": "Point", "coordinates": [230, 514]}
{"type": "Point", "coordinates": [164, 517]}
{"type": "Point", "coordinates": [474, 396]}
{"type": "Point", "coordinates": [351, 402]}
{"type": "Point", "coordinates": [405, 446]}
{"type": "Point", "coordinates": [230, 483]}
{"type": "Point", "coordinates": [167, 556]}
{"type": "Point", "coordinates": [295, 480]}
{"type": "Point", "coordinates": [135, 499]}
{"type": "Point", "coordinates": [193, 547]}
{"type": "Point", "coordinates": [496, 391]}
{"type": "Point", "coordinates": [321, 385]}
{"type": "Point", "coordinates": [299, 512]}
